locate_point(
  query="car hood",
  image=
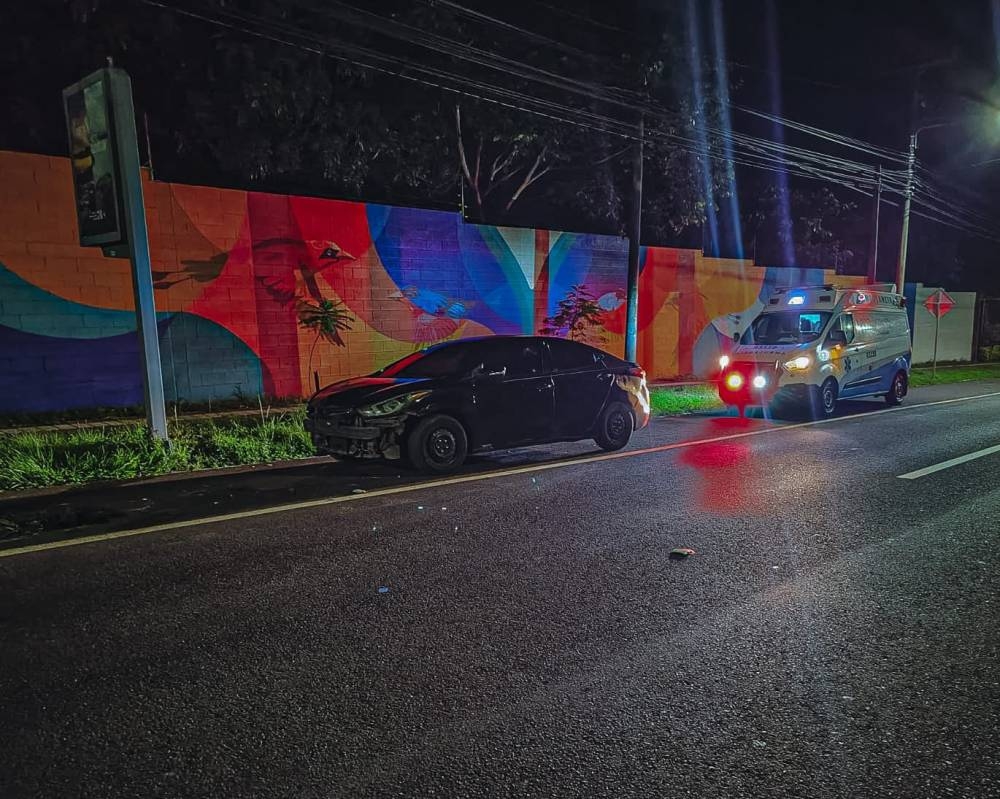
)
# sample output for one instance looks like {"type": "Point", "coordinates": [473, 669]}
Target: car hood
{"type": "Point", "coordinates": [365, 390]}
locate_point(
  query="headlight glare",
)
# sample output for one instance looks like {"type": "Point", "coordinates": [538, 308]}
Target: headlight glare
{"type": "Point", "coordinates": [390, 406]}
{"type": "Point", "coordinates": [798, 364]}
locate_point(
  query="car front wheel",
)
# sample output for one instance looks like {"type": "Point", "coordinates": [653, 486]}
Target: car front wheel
{"type": "Point", "coordinates": [825, 398]}
{"type": "Point", "coordinates": [437, 444]}
{"type": "Point", "coordinates": [615, 427]}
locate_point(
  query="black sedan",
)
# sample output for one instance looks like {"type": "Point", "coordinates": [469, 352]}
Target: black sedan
{"type": "Point", "coordinates": [434, 407]}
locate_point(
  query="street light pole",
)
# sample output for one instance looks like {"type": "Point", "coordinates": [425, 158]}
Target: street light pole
{"type": "Point", "coordinates": [632, 275]}
{"type": "Point", "coordinates": [908, 197]}
{"type": "Point", "coordinates": [911, 161]}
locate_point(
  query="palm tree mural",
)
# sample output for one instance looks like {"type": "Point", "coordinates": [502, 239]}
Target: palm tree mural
{"type": "Point", "coordinates": [327, 319]}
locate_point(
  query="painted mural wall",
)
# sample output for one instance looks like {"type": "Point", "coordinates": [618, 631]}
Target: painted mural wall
{"type": "Point", "coordinates": [257, 293]}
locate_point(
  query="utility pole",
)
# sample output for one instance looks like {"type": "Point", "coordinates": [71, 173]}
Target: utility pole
{"type": "Point", "coordinates": [873, 258]}
{"type": "Point", "coordinates": [635, 228]}
{"type": "Point", "coordinates": [908, 197]}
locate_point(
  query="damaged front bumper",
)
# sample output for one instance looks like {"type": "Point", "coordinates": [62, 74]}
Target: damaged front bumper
{"type": "Point", "coordinates": [352, 436]}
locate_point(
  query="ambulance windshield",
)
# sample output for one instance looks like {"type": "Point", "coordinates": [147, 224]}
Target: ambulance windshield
{"type": "Point", "coordinates": [786, 327]}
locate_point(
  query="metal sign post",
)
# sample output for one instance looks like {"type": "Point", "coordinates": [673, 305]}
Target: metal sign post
{"type": "Point", "coordinates": [939, 303]}
{"type": "Point", "coordinates": [937, 330]}
{"type": "Point", "coordinates": [108, 182]}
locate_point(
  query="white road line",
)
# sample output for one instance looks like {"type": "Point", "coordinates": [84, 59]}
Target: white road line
{"type": "Point", "coordinates": [937, 467]}
{"type": "Point", "coordinates": [467, 478]}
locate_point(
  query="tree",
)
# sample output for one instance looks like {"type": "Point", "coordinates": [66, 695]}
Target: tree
{"type": "Point", "coordinates": [578, 317]}
{"type": "Point", "coordinates": [813, 225]}
{"type": "Point", "coordinates": [251, 100]}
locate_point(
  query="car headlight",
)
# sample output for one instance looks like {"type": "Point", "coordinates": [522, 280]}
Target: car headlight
{"type": "Point", "coordinates": [390, 406]}
{"type": "Point", "coordinates": [798, 364]}
{"type": "Point", "coordinates": [723, 361]}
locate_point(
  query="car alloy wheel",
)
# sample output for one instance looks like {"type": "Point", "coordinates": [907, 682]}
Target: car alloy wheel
{"type": "Point", "coordinates": [898, 389]}
{"type": "Point", "coordinates": [828, 397]}
{"type": "Point", "coordinates": [615, 427]}
{"type": "Point", "coordinates": [441, 446]}
{"type": "Point", "coordinates": [437, 444]}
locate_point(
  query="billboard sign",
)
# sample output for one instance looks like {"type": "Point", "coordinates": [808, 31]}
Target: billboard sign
{"type": "Point", "coordinates": [92, 150]}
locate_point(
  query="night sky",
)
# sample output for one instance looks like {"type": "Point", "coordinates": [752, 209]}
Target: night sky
{"type": "Point", "coordinates": [849, 67]}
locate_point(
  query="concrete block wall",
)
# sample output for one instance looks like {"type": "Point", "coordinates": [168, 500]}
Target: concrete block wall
{"type": "Point", "coordinates": [237, 273]}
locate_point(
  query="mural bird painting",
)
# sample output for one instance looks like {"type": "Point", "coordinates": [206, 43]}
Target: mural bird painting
{"type": "Point", "coordinates": [303, 261]}
{"type": "Point", "coordinates": [435, 317]}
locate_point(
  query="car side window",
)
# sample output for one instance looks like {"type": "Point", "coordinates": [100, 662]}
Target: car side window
{"type": "Point", "coordinates": [568, 356]}
{"type": "Point", "coordinates": [844, 324]}
{"type": "Point", "coordinates": [519, 358]}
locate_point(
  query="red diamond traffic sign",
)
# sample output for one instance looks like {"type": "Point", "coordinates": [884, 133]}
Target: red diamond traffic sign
{"type": "Point", "coordinates": [939, 303]}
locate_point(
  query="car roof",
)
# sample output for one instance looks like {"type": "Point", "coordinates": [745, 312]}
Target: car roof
{"type": "Point", "coordinates": [501, 337]}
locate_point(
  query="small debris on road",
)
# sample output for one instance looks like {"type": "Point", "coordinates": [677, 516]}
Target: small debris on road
{"type": "Point", "coordinates": [359, 491]}
{"type": "Point", "coordinates": [383, 589]}
{"type": "Point", "coordinates": [680, 553]}
{"type": "Point", "coordinates": [759, 744]}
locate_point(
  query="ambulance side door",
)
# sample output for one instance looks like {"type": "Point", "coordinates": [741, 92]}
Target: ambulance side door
{"type": "Point", "coordinates": [861, 355]}
{"type": "Point", "coordinates": [843, 355]}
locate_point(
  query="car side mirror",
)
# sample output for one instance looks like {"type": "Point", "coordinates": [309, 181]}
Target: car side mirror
{"type": "Point", "coordinates": [838, 337]}
{"type": "Point", "coordinates": [736, 338]}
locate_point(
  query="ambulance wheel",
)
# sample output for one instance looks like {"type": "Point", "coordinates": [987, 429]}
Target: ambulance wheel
{"type": "Point", "coordinates": [898, 389]}
{"type": "Point", "coordinates": [825, 398]}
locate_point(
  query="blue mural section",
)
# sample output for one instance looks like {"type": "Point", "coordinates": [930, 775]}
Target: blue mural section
{"type": "Point", "coordinates": [441, 262]}
{"type": "Point", "coordinates": [57, 354]}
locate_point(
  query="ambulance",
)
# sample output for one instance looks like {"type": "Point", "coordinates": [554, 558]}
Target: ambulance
{"type": "Point", "coordinates": [815, 345]}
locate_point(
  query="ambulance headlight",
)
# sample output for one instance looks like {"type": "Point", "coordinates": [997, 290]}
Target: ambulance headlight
{"type": "Point", "coordinates": [734, 381]}
{"type": "Point", "coordinates": [723, 361]}
{"type": "Point", "coordinates": [798, 364]}
{"type": "Point", "coordinates": [759, 381]}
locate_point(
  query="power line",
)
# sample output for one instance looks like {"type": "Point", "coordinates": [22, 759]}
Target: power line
{"type": "Point", "coordinates": [837, 138]}
{"type": "Point", "coordinates": [764, 153]}
{"type": "Point", "coordinates": [479, 16]}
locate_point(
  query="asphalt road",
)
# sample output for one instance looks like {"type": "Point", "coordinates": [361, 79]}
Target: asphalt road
{"type": "Point", "coordinates": [836, 634]}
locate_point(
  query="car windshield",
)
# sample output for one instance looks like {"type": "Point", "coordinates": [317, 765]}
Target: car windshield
{"type": "Point", "coordinates": [446, 361]}
{"type": "Point", "coordinates": [786, 327]}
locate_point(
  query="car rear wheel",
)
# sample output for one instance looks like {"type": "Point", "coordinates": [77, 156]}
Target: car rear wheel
{"type": "Point", "coordinates": [437, 444]}
{"type": "Point", "coordinates": [615, 427]}
{"type": "Point", "coordinates": [897, 390]}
